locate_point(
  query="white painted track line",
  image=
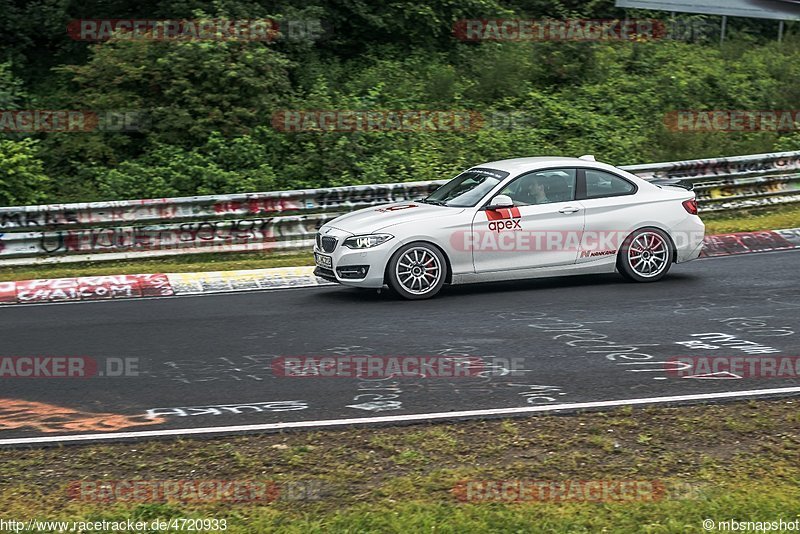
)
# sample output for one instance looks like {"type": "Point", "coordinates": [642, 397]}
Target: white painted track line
{"type": "Point", "coordinates": [49, 440]}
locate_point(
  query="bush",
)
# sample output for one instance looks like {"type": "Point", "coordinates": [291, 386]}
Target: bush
{"type": "Point", "coordinates": [22, 179]}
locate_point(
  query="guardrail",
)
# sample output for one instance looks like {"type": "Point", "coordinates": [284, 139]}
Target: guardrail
{"type": "Point", "coordinates": [287, 220]}
{"type": "Point", "coordinates": [735, 182]}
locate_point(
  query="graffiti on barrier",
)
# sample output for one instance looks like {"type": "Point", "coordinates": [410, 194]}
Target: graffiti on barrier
{"type": "Point", "coordinates": [21, 218]}
{"type": "Point", "coordinates": [751, 190]}
{"type": "Point", "coordinates": [725, 166]}
{"type": "Point", "coordinates": [373, 194]}
{"type": "Point", "coordinates": [184, 235]}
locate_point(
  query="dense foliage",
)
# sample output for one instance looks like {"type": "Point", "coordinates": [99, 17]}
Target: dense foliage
{"type": "Point", "coordinates": [209, 103]}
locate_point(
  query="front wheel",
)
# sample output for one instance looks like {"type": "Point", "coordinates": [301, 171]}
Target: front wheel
{"type": "Point", "coordinates": [645, 256]}
{"type": "Point", "coordinates": [416, 271]}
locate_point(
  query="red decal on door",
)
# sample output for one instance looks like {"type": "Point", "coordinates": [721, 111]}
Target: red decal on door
{"type": "Point", "coordinates": [503, 213]}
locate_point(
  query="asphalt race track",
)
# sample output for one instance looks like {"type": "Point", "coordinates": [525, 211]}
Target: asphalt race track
{"type": "Point", "coordinates": [205, 362]}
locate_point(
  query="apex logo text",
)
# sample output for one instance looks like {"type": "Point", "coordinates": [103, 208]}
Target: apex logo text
{"type": "Point", "coordinates": [504, 219]}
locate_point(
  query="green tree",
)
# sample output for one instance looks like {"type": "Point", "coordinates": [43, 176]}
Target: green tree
{"type": "Point", "coordinates": [235, 165]}
{"type": "Point", "coordinates": [189, 88]}
{"type": "Point", "coordinates": [22, 180]}
{"type": "Point", "coordinates": [12, 92]}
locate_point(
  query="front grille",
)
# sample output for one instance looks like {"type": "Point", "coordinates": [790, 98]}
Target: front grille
{"type": "Point", "coordinates": [328, 244]}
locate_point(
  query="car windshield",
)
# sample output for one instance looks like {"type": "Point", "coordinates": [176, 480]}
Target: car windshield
{"type": "Point", "coordinates": [466, 189]}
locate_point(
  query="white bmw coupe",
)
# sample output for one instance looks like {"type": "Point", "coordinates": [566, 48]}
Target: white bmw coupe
{"type": "Point", "coordinates": [515, 219]}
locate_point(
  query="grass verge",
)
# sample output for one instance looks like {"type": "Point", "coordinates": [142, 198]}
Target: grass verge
{"type": "Point", "coordinates": [736, 461]}
{"type": "Point", "coordinates": [771, 218]}
{"type": "Point", "coordinates": [716, 223]}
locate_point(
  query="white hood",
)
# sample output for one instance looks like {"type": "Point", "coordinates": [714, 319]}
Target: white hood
{"type": "Point", "coordinates": [375, 218]}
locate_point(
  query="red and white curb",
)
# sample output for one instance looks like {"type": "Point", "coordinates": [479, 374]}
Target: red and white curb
{"type": "Point", "coordinates": [227, 281]}
{"type": "Point", "coordinates": [748, 242]}
{"type": "Point", "coordinates": [154, 285]}
{"type": "Point", "coordinates": [171, 284]}
{"type": "Point", "coordinates": [86, 288]}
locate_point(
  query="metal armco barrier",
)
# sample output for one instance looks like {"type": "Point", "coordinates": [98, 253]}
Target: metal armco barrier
{"type": "Point", "coordinates": [272, 221]}
{"type": "Point", "coordinates": [286, 220]}
{"type": "Point", "coordinates": [735, 182]}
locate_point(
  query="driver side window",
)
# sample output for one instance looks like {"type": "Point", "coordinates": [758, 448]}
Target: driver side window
{"type": "Point", "coordinates": [542, 187]}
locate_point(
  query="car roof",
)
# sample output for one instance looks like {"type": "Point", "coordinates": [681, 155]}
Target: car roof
{"type": "Point", "coordinates": [518, 165]}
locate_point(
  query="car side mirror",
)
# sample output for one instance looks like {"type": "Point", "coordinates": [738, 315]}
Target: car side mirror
{"type": "Point", "coordinates": [499, 202]}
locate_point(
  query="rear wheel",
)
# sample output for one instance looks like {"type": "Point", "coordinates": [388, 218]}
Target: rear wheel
{"type": "Point", "coordinates": [417, 271]}
{"type": "Point", "coordinates": [645, 255]}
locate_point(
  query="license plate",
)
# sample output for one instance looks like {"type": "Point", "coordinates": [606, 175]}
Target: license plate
{"type": "Point", "coordinates": [323, 261]}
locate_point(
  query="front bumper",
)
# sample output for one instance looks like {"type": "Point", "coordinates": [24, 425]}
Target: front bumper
{"type": "Point", "coordinates": [348, 265]}
{"type": "Point", "coordinates": [325, 274]}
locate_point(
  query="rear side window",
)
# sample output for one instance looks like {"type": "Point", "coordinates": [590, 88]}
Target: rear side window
{"type": "Point", "coordinates": [604, 184]}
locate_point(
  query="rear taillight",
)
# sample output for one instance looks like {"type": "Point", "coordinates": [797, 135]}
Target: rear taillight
{"type": "Point", "coordinates": [690, 206]}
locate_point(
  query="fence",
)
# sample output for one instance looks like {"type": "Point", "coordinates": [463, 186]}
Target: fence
{"type": "Point", "coordinates": [736, 182]}
{"type": "Point", "coordinates": [287, 220]}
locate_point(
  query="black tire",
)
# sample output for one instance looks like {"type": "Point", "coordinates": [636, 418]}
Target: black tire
{"type": "Point", "coordinates": [645, 255]}
{"type": "Point", "coordinates": [416, 271]}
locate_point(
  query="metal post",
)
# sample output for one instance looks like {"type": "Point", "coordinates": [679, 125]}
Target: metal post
{"type": "Point", "coordinates": [672, 31]}
{"type": "Point", "coordinates": [780, 31]}
{"type": "Point", "coordinates": [722, 29]}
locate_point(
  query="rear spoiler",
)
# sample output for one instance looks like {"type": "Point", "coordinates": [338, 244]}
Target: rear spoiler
{"type": "Point", "coordinates": [676, 182]}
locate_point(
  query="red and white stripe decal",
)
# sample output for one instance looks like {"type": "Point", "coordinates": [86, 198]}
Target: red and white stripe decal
{"type": "Point", "coordinates": [502, 213]}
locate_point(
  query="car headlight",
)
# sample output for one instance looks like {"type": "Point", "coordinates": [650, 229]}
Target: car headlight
{"type": "Point", "coordinates": [366, 241]}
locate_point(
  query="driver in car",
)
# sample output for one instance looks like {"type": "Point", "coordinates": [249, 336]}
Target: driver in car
{"type": "Point", "coordinates": [532, 192]}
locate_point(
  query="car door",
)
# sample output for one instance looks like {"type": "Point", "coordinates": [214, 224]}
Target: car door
{"type": "Point", "coordinates": [610, 205]}
{"type": "Point", "coordinates": [543, 228]}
